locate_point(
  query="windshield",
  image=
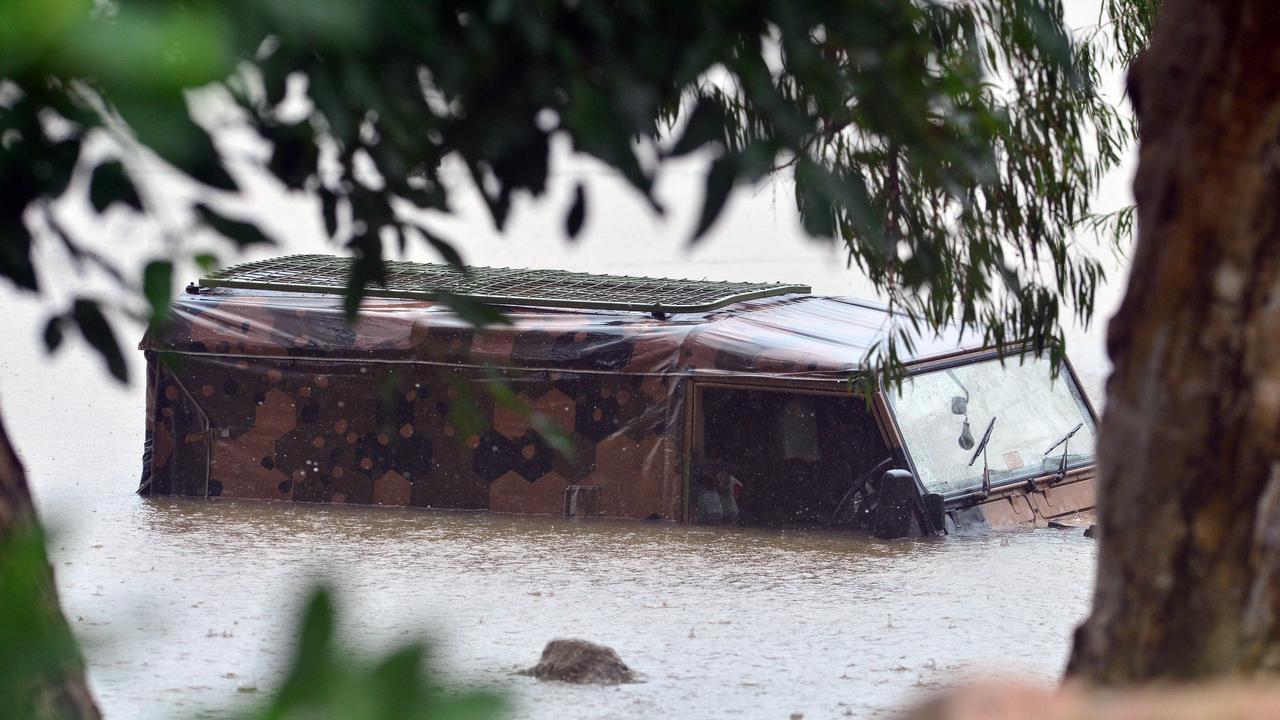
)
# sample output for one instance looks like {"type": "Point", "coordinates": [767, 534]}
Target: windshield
{"type": "Point", "coordinates": [943, 415]}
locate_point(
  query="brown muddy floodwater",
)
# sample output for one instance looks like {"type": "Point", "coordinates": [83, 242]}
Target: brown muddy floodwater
{"type": "Point", "coordinates": [185, 605]}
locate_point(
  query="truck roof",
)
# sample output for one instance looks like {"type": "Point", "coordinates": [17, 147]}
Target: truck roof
{"type": "Point", "coordinates": [499, 286]}
{"type": "Point", "coordinates": [735, 328]}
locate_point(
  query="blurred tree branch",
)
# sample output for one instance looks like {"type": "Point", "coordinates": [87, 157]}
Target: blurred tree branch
{"type": "Point", "coordinates": [952, 147]}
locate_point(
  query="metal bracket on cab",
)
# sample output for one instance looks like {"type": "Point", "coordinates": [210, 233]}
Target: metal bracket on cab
{"type": "Point", "coordinates": [582, 501]}
{"type": "Point", "coordinates": [208, 434]}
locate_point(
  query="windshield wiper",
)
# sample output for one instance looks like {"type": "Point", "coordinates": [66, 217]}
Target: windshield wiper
{"type": "Point", "coordinates": [1064, 438]}
{"type": "Point", "coordinates": [986, 437]}
{"type": "Point", "coordinates": [1062, 466]}
{"type": "Point", "coordinates": [982, 449]}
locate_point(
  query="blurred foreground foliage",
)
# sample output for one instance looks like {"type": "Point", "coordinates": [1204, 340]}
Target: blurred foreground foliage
{"type": "Point", "coordinates": [324, 681]}
{"type": "Point", "coordinates": [952, 147]}
{"type": "Point", "coordinates": [37, 650]}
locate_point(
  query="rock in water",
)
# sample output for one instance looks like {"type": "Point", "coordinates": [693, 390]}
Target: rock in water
{"type": "Point", "coordinates": [579, 661]}
{"type": "Point", "coordinates": [1091, 531]}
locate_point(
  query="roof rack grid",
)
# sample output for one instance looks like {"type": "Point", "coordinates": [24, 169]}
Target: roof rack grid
{"type": "Point", "coordinates": [499, 286]}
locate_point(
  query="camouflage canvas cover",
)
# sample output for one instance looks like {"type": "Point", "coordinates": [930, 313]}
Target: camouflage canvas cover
{"type": "Point", "coordinates": [271, 395]}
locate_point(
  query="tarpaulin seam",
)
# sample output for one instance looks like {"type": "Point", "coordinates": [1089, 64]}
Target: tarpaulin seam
{"type": "Point", "coordinates": [832, 375]}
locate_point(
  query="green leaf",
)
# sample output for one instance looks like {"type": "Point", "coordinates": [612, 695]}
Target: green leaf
{"type": "Point", "coordinates": [109, 184]}
{"type": "Point", "coordinates": [367, 268]}
{"type": "Point", "coordinates": [477, 313]}
{"type": "Point", "coordinates": [706, 125]}
{"type": "Point", "coordinates": [555, 436]}
{"type": "Point", "coordinates": [329, 209]}
{"type": "Point", "coordinates": [505, 396]}
{"type": "Point", "coordinates": [317, 625]}
{"type": "Point", "coordinates": [816, 191]}
{"type": "Point", "coordinates": [157, 286]}
{"type": "Point", "coordinates": [163, 125]}
{"type": "Point", "coordinates": [97, 331]}
{"type": "Point", "coordinates": [448, 251]}
{"type": "Point", "coordinates": [577, 213]}
{"type": "Point", "coordinates": [294, 153]}
{"type": "Point", "coordinates": [719, 184]}
{"type": "Point", "coordinates": [172, 360]}
{"type": "Point", "coordinates": [53, 170]}
{"type": "Point", "coordinates": [206, 262]}
{"type": "Point", "coordinates": [152, 47]}
{"type": "Point", "coordinates": [53, 333]}
{"type": "Point", "coordinates": [241, 233]}
{"type": "Point", "coordinates": [499, 203]}
{"type": "Point", "coordinates": [327, 681]}
{"type": "Point", "coordinates": [312, 671]}
{"type": "Point", "coordinates": [15, 252]}
{"type": "Point", "coordinates": [398, 673]}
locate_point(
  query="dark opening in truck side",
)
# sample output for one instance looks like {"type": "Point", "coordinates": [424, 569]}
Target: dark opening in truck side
{"type": "Point", "coordinates": [790, 457]}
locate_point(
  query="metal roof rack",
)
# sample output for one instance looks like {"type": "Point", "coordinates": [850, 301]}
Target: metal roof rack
{"type": "Point", "coordinates": [499, 286]}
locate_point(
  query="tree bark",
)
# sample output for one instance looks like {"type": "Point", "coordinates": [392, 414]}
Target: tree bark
{"type": "Point", "coordinates": [63, 694]}
{"type": "Point", "coordinates": [1189, 505]}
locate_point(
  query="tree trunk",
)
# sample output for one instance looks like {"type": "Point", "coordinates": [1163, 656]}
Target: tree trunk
{"type": "Point", "coordinates": [1189, 507]}
{"type": "Point", "coordinates": [63, 693]}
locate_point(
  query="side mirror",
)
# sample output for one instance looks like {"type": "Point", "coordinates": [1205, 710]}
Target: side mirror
{"type": "Point", "coordinates": [894, 507]}
{"type": "Point", "coordinates": [966, 437]}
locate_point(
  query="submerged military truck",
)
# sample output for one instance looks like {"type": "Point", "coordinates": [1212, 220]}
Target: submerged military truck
{"type": "Point", "coordinates": [602, 396]}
